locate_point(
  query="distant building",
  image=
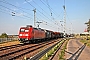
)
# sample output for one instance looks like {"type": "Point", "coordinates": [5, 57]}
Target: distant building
{"type": "Point", "coordinates": [12, 36]}
{"type": "Point", "coordinates": [85, 33]}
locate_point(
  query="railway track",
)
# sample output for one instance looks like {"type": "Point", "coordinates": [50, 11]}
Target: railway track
{"type": "Point", "coordinates": [55, 53]}
{"type": "Point", "coordinates": [13, 46]}
{"type": "Point", "coordinates": [47, 53]}
{"type": "Point", "coordinates": [9, 47]}
{"type": "Point", "coordinates": [19, 51]}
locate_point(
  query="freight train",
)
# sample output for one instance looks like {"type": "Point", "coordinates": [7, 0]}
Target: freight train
{"type": "Point", "coordinates": [31, 34]}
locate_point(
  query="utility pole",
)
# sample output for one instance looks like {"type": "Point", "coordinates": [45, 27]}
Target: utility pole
{"type": "Point", "coordinates": [34, 17]}
{"type": "Point", "coordinates": [71, 28]}
{"type": "Point", "coordinates": [64, 19]}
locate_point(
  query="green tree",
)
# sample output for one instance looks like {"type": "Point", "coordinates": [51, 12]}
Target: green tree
{"type": "Point", "coordinates": [3, 35]}
{"type": "Point", "coordinates": [88, 25]}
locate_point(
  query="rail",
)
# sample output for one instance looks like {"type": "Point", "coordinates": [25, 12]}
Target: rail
{"type": "Point", "coordinates": [39, 55]}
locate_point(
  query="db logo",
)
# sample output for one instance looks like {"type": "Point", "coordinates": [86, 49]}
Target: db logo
{"type": "Point", "coordinates": [23, 34]}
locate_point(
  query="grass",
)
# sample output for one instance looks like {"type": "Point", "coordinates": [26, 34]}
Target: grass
{"type": "Point", "coordinates": [86, 41]}
{"type": "Point", "coordinates": [62, 53]}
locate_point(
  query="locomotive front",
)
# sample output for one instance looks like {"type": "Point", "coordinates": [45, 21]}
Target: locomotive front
{"type": "Point", "coordinates": [25, 34]}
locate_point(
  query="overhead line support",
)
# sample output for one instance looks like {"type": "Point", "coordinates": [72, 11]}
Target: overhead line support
{"type": "Point", "coordinates": [34, 17]}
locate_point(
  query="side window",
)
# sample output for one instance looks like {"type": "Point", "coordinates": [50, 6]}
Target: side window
{"type": "Point", "coordinates": [26, 30]}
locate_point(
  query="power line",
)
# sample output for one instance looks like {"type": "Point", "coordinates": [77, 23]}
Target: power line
{"type": "Point", "coordinates": [20, 9]}
{"type": "Point", "coordinates": [15, 6]}
{"type": "Point", "coordinates": [4, 1]}
{"type": "Point", "coordinates": [4, 11]}
{"type": "Point", "coordinates": [40, 7]}
{"type": "Point", "coordinates": [14, 11]}
{"type": "Point", "coordinates": [37, 9]}
{"type": "Point", "coordinates": [48, 6]}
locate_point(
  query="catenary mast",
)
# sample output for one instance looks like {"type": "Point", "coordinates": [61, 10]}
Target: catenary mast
{"type": "Point", "coordinates": [64, 19]}
{"type": "Point", "coordinates": [34, 17]}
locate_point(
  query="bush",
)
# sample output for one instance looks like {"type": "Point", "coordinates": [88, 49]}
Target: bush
{"type": "Point", "coordinates": [4, 35]}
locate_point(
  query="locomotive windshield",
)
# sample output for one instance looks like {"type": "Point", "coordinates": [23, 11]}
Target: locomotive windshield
{"type": "Point", "coordinates": [22, 30]}
{"type": "Point", "coordinates": [26, 30]}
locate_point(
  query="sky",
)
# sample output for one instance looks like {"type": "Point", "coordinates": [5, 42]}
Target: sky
{"type": "Point", "coordinates": [19, 13]}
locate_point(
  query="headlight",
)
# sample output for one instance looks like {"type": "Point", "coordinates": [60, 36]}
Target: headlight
{"type": "Point", "coordinates": [26, 35]}
{"type": "Point", "coordinates": [26, 39]}
{"type": "Point", "coordinates": [20, 34]}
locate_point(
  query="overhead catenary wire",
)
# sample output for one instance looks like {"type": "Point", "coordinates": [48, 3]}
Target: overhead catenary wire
{"type": "Point", "coordinates": [41, 8]}
{"type": "Point", "coordinates": [20, 8]}
{"type": "Point", "coordinates": [14, 11]}
{"type": "Point", "coordinates": [38, 10]}
{"type": "Point", "coordinates": [69, 22]}
{"type": "Point", "coordinates": [7, 12]}
{"type": "Point", "coordinates": [4, 11]}
{"type": "Point", "coordinates": [11, 9]}
{"type": "Point", "coordinates": [48, 6]}
{"type": "Point", "coordinates": [45, 11]}
{"type": "Point", "coordinates": [4, 1]}
{"type": "Point", "coordinates": [51, 10]}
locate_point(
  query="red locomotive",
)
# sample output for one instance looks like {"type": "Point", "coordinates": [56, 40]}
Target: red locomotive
{"type": "Point", "coordinates": [30, 34]}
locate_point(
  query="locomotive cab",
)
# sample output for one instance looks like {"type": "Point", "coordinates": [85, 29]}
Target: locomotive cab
{"type": "Point", "coordinates": [31, 34]}
{"type": "Point", "coordinates": [24, 34]}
